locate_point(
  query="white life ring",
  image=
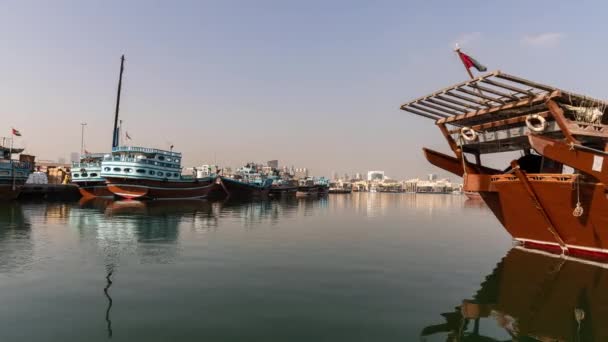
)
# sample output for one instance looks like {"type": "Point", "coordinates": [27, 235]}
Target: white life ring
{"type": "Point", "coordinates": [536, 123]}
{"type": "Point", "coordinates": [468, 134]}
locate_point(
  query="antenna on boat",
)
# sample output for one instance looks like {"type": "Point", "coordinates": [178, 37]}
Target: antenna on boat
{"type": "Point", "coordinates": [116, 136]}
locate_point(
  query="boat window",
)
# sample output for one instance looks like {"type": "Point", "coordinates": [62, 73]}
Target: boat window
{"type": "Point", "coordinates": [93, 175]}
{"type": "Point", "coordinates": [161, 158]}
{"type": "Point", "coordinates": [117, 169]}
{"type": "Point", "coordinates": [84, 174]}
{"type": "Point", "coordinates": [168, 159]}
{"type": "Point", "coordinates": [159, 173]}
{"type": "Point", "coordinates": [129, 170]}
{"type": "Point", "coordinates": [75, 175]}
{"type": "Point", "coordinates": [140, 171]}
{"type": "Point", "coordinates": [151, 172]}
{"type": "Point", "coordinates": [176, 175]}
{"type": "Point", "coordinates": [106, 169]}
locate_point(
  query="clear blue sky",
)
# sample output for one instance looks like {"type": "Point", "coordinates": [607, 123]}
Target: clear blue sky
{"type": "Point", "coordinates": [311, 83]}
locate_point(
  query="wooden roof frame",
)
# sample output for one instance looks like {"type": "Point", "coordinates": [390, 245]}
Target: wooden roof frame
{"type": "Point", "coordinates": [490, 93]}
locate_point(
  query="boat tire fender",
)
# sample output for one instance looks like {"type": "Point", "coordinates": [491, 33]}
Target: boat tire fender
{"type": "Point", "coordinates": [468, 134]}
{"type": "Point", "coordinates": [536, 123]}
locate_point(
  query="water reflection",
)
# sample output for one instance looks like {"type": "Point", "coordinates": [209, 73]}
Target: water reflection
{"type": "Point", "coordinates": [533, 296]}
{"type": "Point", "coordinates": [16, 247]}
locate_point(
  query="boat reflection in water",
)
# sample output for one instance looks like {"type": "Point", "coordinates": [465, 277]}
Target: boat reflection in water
{"type": "Point", "coordinates": [533, 296]}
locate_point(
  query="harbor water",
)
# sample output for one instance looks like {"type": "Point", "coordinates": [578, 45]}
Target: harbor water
{"type": "Point", "coordinates": [357, 267]}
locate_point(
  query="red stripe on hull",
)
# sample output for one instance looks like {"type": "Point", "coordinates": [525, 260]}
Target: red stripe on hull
{"type": "Point", "coordinates": [144, 189]}
{"type": "Point", "coordinates": [94, 190]}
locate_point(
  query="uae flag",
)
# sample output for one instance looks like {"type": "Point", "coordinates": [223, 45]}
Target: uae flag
{"type": "Point", "coordinates": [16, 132]}
{"type": "Point", "coordinates": [469, 62]}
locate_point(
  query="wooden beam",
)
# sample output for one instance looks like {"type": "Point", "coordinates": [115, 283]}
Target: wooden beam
{"type": "Point", "coordinates": [444, 90]}
{"type": "Point", "coordinates": [524, 81]}
{"type": "Point", "coordinates": [418, 107]}
{"type": "Point", "coordinates": [421, 114]}
{"type": "Point", "coordinates": [462, 110]}
{"type": "Point", "coordinates": [451, 141]}
{"type": "Point", "coordinates": [498, 123]}
{"type": "Point", "coordinates": [447, 111]}
{"type": "Point", "coordinates": [510, 105]}
{"type": "Point", "coordinates": [449, 93]}
{"type": "Point", "coordinates": [466, 105]}
{"type": "Point", "coordinates": [489, 98]}
{"type": "Point", "coordinates": [508, 87]}
{"type": "Point", "coordinates": [497, 92]}
{"type": "Point", "coordinates": [558, 115]}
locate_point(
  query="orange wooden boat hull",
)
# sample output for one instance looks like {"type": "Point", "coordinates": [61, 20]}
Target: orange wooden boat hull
{"type": "Point", "coordinates": [543, 220]}
{"type": "Point", "coordinates": [148, 189]}
{"type": "Point", "coordinates": [94, 190]}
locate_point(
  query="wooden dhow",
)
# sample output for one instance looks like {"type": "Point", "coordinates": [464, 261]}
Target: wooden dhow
{"type": "Point", "coordinates": [148, 173]}
{"type": "Point", "coordinates": [553, 196]}
{"type": "Point", "coordinates": [13, 173]}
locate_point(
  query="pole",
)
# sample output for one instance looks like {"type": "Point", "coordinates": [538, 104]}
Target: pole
{"type": "Point", "coordinates": [82, 138]}
{"type": "Point", "coordinates": [115, 136]}
{"type": "Point", "coordinates": [457, 50]}
{"type": "Point", "coordinates": [10, 157]}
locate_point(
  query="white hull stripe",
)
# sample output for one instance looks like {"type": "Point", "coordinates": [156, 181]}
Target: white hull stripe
{"type": "Point", "coordinates": [562, 256]}
{"type": "Point", "coordinates": [158, 188]}
{"type": "Point", "coordinates": [591, 249]}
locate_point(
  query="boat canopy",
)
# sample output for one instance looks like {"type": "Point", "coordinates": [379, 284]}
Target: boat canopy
{"type": "Point", "coordinates": [496, 110]}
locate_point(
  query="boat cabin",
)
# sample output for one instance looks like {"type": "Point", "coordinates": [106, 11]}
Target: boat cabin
{"type": "Point", "coordinates": [142, 162]}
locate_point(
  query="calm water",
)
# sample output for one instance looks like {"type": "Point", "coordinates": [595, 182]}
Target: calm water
{"type": "Point", "coordinates": [360, 267]}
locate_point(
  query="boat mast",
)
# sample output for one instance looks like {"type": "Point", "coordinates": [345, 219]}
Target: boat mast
{"type": "Point", "coordinates": [115, 137]}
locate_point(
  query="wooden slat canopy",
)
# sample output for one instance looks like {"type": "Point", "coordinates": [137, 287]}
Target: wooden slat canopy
{"type": "Point", "coordinates": [493, 96]}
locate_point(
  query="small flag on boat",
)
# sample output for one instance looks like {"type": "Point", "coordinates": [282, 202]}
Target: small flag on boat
{"type": "Point", "coordinates": [469, 62]}
{"type": "Point", "coordinates": [127, 135]}
{"type": "Point", "coordinates": [16, 132]}
{"type": "Point", "coordinates": [86, 152]}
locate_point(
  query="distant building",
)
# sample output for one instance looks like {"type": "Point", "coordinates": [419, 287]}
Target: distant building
{"type": "Point", "coordinates": [375, 175]}
{"type": "Point", "coordinates": [432, 177]}
{"type": "Point", "coordinates": [300, 173]}
{"type": "Point", "coordinates": [358, 176]}
{"type": "Point", "coordinates": [273, 164]}
{"type": "Point", "coordinates": [74, 157]}
{"type": "Point", "coordinates": [61, 160]}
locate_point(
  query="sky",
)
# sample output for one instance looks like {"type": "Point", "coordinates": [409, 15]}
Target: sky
{"type": "Point", "coordinates": [314, 84]}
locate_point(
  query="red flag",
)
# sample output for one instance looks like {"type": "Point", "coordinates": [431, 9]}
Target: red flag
{"type": "Point", "coordinates": [16, 132]}
{"type": "Point", "coordinates": [469, 62]}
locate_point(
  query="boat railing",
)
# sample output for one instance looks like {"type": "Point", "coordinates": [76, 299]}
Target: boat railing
{"type": "Point", "coordinates": [146, 150]}
{"type": "Point", "coordinates": [143, 161]}
{"type": "Point", "coordinates": [8, 164]}
{"type": "Point", "coordinates": [85, 164]}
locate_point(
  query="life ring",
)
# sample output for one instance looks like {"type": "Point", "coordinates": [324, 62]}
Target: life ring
{"type": "Point", "coordinates": [536, 123]}
{"type": "Point", "coordinates": [468, 134]}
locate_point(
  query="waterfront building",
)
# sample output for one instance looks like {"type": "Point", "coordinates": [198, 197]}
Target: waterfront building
{"type": "Point", "coordinates": [300, 173]}
{"type": "Point", "coordinates": [375, 175]}
{"type": "Point", "coordinates": [273, 164]}
{"type": "Point", "coordinates": [74, 157]}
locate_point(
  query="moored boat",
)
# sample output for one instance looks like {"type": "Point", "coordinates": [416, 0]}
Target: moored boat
{"type": "Point", "coordinates": [86, 174]}
{"type": "Point", "coordinates": [147, 173]}
{"type": "Point", "coordinates": [283, 188]}
{"type": "Point", "coordinates": [13, 173]}
{"type": "Point", "coordinates": [540, 202]}
{"type": "Point", "coordinates": [307, 188]}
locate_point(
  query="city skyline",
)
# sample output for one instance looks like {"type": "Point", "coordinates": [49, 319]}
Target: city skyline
{"type": "Point", "coordinates": [312, 84]}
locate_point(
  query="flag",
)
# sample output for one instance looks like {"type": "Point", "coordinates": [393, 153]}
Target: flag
{"type": "Point", "coordinates": [16, 132]}
{"type": "Point", "coordinates": [127, 135]}
{"type": "Point", "coordinates": [86, 152]}
{"type": "Point", "coordinates": [469, 62]}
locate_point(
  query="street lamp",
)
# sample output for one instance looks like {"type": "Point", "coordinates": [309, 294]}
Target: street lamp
{"type": "Point", "coordinates": [82, 138]}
